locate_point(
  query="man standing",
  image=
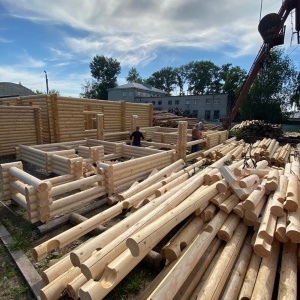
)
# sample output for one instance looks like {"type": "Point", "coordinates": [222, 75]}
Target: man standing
{"type": "Point", "coordinates": [136, 135]}
{"type": "Point", "coordinates": [196, 135]}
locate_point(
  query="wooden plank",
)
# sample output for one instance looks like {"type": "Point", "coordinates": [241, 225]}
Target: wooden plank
{"type": "Point", "coordinates": [30, 274]}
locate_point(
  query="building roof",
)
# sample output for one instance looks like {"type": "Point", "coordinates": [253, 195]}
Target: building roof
{"type": "Point", "coordinates": [139, 86]}
{"type": "Point", "coordinates": [9, 89]}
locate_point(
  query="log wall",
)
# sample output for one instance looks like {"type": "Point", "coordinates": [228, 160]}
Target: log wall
{"type": "Point", "coordinates": [19, 124]}
{"type": "Point", "coordinates": [63, 118]}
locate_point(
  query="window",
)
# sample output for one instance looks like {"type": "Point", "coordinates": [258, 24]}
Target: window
{"type": "Point", "coordinates": [195, 101]}
{"type": "Point", "coordinates": [153, 102]}
{"type": "Point", "coordinates": [217, 101]}
{"type": "Point", "coordinates": [169, 102]}
{"type": "Point", "coordinates": [187, 102]}
{"type": "Point", "coordinates": [176, 102]}
{"type": "Point", "coordinates": [159, 102]}
{"type": "Point", "coordinates": [130, 94]}
{"type": "Point", "coordinates": [207, 115]}
{"type": "Point", "coordinates": [208, 101]}
{"type": "Point", "coordinates": [138, 93]}
{"type": "Point", "coordinates": [148, 95]}
{"type": "Point", "coordinates": [124, 94]}
{"type": "Point", "coordinates": [216, 115]}
{"type": "Point", "coordinates": [195, 113]}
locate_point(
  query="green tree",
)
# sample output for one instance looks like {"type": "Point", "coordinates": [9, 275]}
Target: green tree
{"type": "Point", "coordinates": [181, 78]}
{"type": "Point", "coordinates": [202, 77]}
{"type": "Point", "coordinates": [105, 71]}
{"type": "Point", "coordinates": [51, 91]}
{"type": "Point", "coordinates": [165, 79]}
{"type": "Point", "coordinates": [233, 82]}
{"type": "Point", "coordinates": [134, 76]}
{"type": "Point", "coordinates": [270, 96]}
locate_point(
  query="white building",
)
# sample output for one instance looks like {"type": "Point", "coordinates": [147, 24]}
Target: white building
{"type": "Point", "coordinates": [212, 107]}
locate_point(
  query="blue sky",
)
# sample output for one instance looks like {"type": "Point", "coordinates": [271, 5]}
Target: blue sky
{"type": "Point", "coordinates": [63, 36]}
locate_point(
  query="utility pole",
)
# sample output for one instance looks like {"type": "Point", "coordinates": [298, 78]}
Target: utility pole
{"type": "Point", "coordinates": [46, 82]}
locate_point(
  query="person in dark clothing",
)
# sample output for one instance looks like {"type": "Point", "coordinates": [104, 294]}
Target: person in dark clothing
{"type": "Point", "coordinates": [196, 135]}
{"type": "Point", "coordinates": [137, 136]}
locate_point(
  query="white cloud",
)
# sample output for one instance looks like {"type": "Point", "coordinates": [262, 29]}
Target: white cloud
{"type": "Point", "coordinates": [124, 26]}
{"type": "Point", "coordinates": [132, 31]}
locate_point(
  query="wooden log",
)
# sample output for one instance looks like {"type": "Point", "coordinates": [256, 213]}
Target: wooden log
{"type": "Point", "coordinates": [220, 197]}
{"type": "Point", "coordinates": [261, 247]}
{"type": "Point", "coordinates": [172, 250]}
{"type": "Point", "coordinates": [74, 233]}
{"type": "Point", "coordinates": [222, 186]}
{"type": "Point", "coordinates": [235, 281]}
{"type": "Point", "coordinates": [93, 266]}
{"type": "Point", "coordinates": [76, 218]}
{"type": "Point", "coordinates": [151, 180]}
{"type": "Point", "coordinates": [288, 272]}
{"type": "Point", "coordinates": [226, 231]}
{"type": "Point", "coordinates": [214, 284]}
{"type": "Point", "coordinates": [280, 232]}
{"type": "Point", "coordinates": [191, 282]}
{"type": "Point", "coordinates": [255, 214]}
{"type": "Point", "coordinates": [272, 180]}
{"type": "Point", "coordinates": [77, 184]}
{"type": "Point", "coordinates": [228, 204]}
{"type": "Point", "coordinates": [268, 224]}
{"type": "Point", "coordinates": [207, 272]}
{"type": "Point", "coordinates": [238, 210]}
{"type": "Point", "coordinates": [116, 235]}
{"type": "Point", "coordinates": [291, 201]}
{"type": "Point", "coordinates": [30, 180]}
{"type": "Point", "coordinates": [76, 199]}
{"type": "Point", "coordinates": [54, 289]}
{"type": "Point", "coordinates": [20, 199]}
{"type": "Point", "coordinates": [250, 277]}
{"type": "Point", "coordinates": [208, 213]}
{"type": "Point", "coordinates": [251, 202]}
{"type": "Point", "coordinates": [264, 284]}
{"type": "Point", "coordinates": [293, 227]}
{"type": "Point", "coordinates": [170, 284]}
{"type": "Point", "coordinates": [232, 180]}
{"type": "Point", "coordinates": [173, 182]}
{"type": "Point", "coordinates": [248, 181]}
{"type": "Point", "coordinates": [73, 286]}
{"type": "Point", "coordinates": [147, 237]}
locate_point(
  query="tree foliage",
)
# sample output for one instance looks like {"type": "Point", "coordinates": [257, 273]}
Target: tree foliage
{"type": "Point", "coordinates": [165, 79]}
{"type": "Point", "coordinates": [270, 97]}
{"type": "Point", "coordinates": [134, 76]}
{"type": "Point", "coordinates": [105, 71]}
{"type": "Point", "coordinates": [51, 91]}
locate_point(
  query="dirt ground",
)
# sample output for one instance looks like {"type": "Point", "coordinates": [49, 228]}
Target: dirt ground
{"type": "Point", "coordinates": [26, 236]}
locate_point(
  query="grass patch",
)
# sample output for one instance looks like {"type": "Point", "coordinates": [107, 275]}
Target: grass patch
{"type": "Point", "coordinates": [130, 286]}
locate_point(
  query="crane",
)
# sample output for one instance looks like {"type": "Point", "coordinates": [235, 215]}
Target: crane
{"type": "Point", "coordinates": [272, 30]}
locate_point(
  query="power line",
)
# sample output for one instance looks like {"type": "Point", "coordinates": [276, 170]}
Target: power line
{"type": "Point", "coordinates": [293, 49]}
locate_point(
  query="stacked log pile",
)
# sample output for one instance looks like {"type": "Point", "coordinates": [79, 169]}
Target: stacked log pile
{"type": "Point", "coordinates": [258, 128]}
{"type": "Point", "coordinates": [236, 220]}
{"type": "Point", "coordinates": [167, 119]}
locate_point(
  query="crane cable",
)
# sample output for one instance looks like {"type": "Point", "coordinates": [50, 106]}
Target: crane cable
{"type": "Point", "coordinates": [261, 5]}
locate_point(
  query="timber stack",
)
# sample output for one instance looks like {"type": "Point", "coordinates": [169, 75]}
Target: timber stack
{"type": "Point", "coordinates": [240, 224]}
{"type": "Point", "coordinates": [235, 205]}
{"type": "Point", "coordinates": [168, 119]}
{"type": "Point", "coordinates": [258, 128]}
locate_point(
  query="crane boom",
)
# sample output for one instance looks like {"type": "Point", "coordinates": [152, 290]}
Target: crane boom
{"type": "Point", "coordinates": [272, 29]}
